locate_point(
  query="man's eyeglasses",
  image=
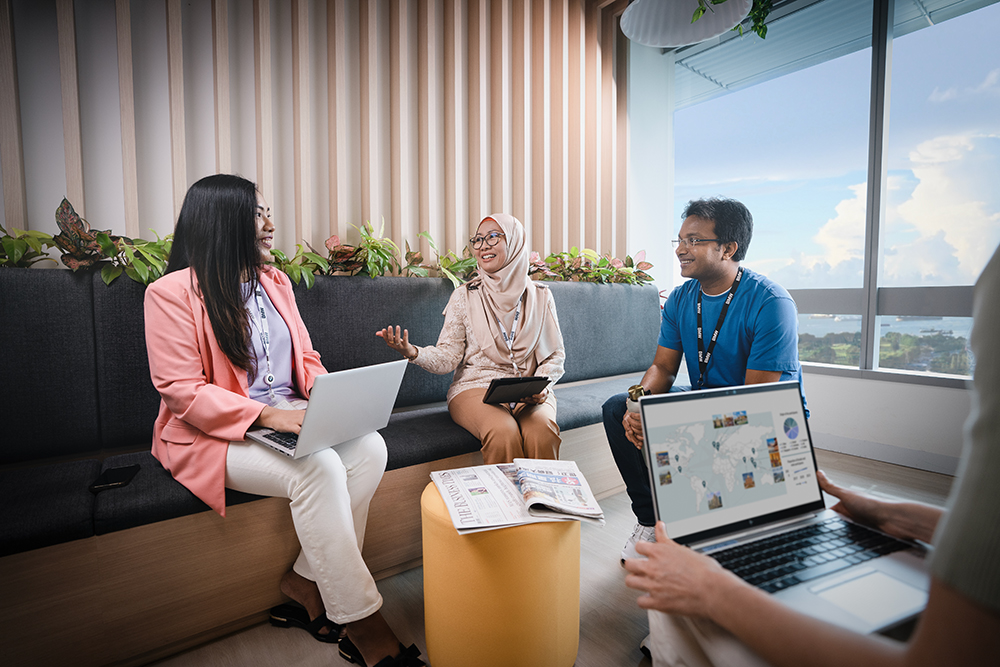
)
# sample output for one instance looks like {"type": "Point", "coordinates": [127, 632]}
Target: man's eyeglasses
{"type": "Point", "coordinates": [690, 243]}
{"type": "Point", "coordinates": [491, 240]}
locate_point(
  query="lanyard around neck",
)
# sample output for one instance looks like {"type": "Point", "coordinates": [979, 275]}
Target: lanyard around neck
{"type": "Point", "coordinates": [509, 338]}
{"type": "Point", "coordinates": [703, 356]}
{"type": "Point", "coordinates": [265, 340]}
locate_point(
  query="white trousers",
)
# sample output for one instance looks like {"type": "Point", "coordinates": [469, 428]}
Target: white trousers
{"type": "Point", "coordinates": [679, 641]}
{"type": "Point", "coordinates": [330, 492]}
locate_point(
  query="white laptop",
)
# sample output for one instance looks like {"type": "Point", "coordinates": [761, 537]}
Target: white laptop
{"type": "Point", "coordinates": [342, 406]}
{"type": "Point", "coordinates": [733, 475]}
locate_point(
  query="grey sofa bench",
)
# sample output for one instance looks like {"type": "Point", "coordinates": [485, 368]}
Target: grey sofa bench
{"type": "Point", "coordinates": [77, 399]}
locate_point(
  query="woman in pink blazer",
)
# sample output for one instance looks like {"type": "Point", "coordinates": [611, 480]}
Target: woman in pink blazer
{"type": "Point", "coordinates": [228, 351]}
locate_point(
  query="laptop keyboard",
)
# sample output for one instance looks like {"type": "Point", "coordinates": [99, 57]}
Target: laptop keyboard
{"type": "Point", "coordinates": [286, 440]}
{"type": "Point", "coordinates": [784, 560]}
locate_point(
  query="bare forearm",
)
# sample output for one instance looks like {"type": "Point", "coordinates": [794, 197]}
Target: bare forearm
{"type": "Point", "coordinates": [754, 617]}
{"type": "Point", "coordinates": [912, 521]}
{"type": "Point", "coordinates": [657, 381]}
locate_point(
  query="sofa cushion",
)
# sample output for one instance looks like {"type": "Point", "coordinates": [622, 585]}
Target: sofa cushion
{"type": "Point", "coordinates": [425, 434]}
{"type": "Point", "coordinates": [580, 404]}
{"type": "Point", "coordinates": [608, 330]}
{"type": "Point", "coordinates": [127, 400]}
{"type": "Point", "coordinates": [342, 314]}
{"type": "Point", "coordinates": [49, 393]}
{"type": "Point", "coordinates": [46, 505]}
{"type": "Point", "coordinates": [152, 495]}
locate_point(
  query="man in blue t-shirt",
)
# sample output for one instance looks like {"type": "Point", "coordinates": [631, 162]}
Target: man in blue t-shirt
{"type": "Point", "coordinates": [755, 336]}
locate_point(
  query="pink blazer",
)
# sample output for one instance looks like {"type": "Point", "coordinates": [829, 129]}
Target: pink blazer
{"type": "Point", "coordinates": [206, 402]}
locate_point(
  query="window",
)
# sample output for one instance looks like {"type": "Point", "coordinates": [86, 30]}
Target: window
{"type": "Point", "coordinates": [783, 125]}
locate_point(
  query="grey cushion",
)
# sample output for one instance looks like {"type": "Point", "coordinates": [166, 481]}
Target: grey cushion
{"type": "Point", "coordinates": [580, 405]}
{"type": "Point", "coordinates": [425, 434]}
{"type": "Point", "coordinates": [128, 401]}
{"type": "Point", "coordinates": [49, 389]}
{"type": "Point", "coordinates": [46, 505]}
{"type": "Point", "coordinates": [607, 329]}
{"type": "Point", "coordinates": [152, 495]}
{"type": "Point", "coordinates": [342, 314]}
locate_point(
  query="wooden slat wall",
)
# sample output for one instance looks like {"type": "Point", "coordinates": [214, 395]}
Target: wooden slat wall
{"type": "Point", "coordinates": [430, 114]}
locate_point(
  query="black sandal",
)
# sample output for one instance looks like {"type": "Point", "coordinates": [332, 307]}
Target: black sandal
{"type": "Point", "coordinates": [287, 615]}
{"type": "Point", "coordinates": [408, 657]}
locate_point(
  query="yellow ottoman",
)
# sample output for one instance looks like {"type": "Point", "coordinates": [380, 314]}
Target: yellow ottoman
{"type": "Point", "coordinates": [500, 597]}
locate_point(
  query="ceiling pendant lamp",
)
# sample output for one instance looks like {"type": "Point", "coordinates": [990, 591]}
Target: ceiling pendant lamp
{"type": "Point", "coordinates": [667, 23]}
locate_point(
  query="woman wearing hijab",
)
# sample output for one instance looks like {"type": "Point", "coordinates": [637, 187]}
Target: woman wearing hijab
{"type": "Point", "coordinates": [501, 324]}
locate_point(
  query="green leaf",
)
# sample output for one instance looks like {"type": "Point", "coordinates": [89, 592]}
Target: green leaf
{"type": "Point", "coordinates": [282, 257]}
{"type": "Point", "coordinates": [698, 13]}
{"type": "Point", "coordinates": [107, 246]}
{"type": "Point", "coordinates": [310, 279]}
{"type": "Point", "coordinates": [142, 270]}
{"type": "Point", "coordinates": [316, 259]}
{"type": "Point", "coordinates": [109, 272]}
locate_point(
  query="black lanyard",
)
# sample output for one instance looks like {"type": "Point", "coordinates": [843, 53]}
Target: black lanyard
{"type": "Point", "coordinates": [705, 357]}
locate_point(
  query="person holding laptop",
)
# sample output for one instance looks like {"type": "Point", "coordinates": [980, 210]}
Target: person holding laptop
{"type": "Point", "coordinates": [501, 324]}
{"type": "Point", "coordinates": [702, 614]}
{"type": "Point", "coordinates": [732, 325]}
{"type": "Point", "coordinates": [228, 351]}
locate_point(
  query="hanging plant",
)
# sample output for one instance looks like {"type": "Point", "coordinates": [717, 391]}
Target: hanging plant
{"type": "Point", "coordinates": [758, 13]}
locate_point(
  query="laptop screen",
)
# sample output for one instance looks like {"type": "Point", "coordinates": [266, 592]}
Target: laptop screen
{"type": "Point", "coordinates": [723, 460]}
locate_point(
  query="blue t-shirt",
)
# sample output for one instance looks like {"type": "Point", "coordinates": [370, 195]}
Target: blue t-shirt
{"type": "Point", "coordinates": [760, 331]}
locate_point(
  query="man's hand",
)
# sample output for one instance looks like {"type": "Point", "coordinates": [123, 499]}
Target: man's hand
{"type": "Point", "coordinates": [633, 428]}
{"type": "Point", "coordinates": [676, 579]}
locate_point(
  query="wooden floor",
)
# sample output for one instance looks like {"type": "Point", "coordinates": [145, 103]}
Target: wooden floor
{"type": "Point", "coordinates": [611, 625]}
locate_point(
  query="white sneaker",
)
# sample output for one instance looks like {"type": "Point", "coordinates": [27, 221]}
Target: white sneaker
{"type": "Point", "coordinates": [644, 647]}
{"type": "Point", "coordinates": [640, 533]}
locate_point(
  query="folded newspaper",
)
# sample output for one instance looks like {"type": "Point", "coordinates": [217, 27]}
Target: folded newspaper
{"type": "Point", "coordinates": [510, 494]}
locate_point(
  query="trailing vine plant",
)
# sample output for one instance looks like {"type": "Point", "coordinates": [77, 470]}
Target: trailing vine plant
{"type": "Point", "coordinates": [758, 13]}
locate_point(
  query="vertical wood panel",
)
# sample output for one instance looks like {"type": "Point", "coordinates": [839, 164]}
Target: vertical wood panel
{"type": "Point", "coordinates": [520, 98]}
{"type": "Point", "coordinates": [479, 111]}
{"type": "Point", "coordinates": [575, 122]}
{"type": "Point", "coordinates": [301, 135]}
{"type": "Point", "coordinates": [456, 90]}
{"type": "Point", "coordinates": [126, 102]}
{"type": "Point", "coordinates": [221, 77]}
{"type": "Point", "coordinates": [606, 80]}
{"type": "Point", "coordinates": [175, 75]}
{"type": "Point", "coordinates": [430, 110]}
{"type": "Point", "coordinates": [262, 89]}
{"type": "Point", "coordinates": [621, 134]}
{"type": "Point", "coordinates": [594, 130]}
{"type": "Point", "coordinates": [69, 88]}
{"type": "Point", "coordinates": [557, 126]}
{"type": "Point", "coordinates": [15, 197]}
{"type": "Point", "coordinates": [539, 121]}
{"type": "Point", "coordinates": [499, 106]}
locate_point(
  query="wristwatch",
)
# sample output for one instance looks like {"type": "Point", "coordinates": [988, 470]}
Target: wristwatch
{"type": "Point", "coordinates": [635, 392]}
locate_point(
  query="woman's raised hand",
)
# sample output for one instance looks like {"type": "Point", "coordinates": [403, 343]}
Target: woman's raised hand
{"type": "Point", "coordinates": [399, 341]}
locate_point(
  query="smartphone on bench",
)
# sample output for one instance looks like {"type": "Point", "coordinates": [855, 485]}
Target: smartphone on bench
{"type": "Point", "coordinates": [113, 478]}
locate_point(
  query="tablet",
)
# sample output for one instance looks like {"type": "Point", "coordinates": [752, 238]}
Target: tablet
{"type": "Point", "coordinates": [512, 390]}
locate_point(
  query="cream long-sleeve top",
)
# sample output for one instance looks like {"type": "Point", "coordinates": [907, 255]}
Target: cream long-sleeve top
{"type": "Point", "coordinates": [458, 350]}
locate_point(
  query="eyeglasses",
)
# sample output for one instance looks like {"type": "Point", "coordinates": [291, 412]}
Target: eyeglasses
{"type": "Point", "coordinates": [491, 240]}
{"type": "Point", "coordinates": [690, 243]}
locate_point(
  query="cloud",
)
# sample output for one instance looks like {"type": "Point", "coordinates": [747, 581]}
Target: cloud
{"type": "Point", "coordinates": [943, 232]}
{"type": "Point", "coordinates": [989, 84]}
{"type": "Point", "coordinates": [938, 95]}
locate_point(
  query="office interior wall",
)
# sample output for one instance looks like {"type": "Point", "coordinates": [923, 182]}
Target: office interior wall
{"type": "Point", "coordinates": [427, 114]}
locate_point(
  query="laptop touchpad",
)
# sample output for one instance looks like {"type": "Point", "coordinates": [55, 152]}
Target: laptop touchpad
{"type": "Point", "coordinates": [876, 598]}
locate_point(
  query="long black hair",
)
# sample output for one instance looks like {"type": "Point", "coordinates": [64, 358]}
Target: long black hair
{"type": "Point", "coordinates": [216, 236]}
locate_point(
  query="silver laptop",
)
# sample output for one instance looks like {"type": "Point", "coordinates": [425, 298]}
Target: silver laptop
{"type": "Point", "coordinates": [733, 474]}
{"type": "Point", "coordinates": [342, 406]}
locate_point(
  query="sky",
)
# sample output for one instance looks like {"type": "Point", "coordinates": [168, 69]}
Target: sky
{"type": "Point", "coordinates": [794, 150]}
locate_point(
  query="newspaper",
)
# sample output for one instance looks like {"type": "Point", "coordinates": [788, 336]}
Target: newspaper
{"type": "Point", "coordinates": [511, 494]}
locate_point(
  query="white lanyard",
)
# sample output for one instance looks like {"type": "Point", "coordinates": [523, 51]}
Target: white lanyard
{"type": "Point", "coordinates": [265, 341]}
{"type": "Point", "coordinates": [509, 339]}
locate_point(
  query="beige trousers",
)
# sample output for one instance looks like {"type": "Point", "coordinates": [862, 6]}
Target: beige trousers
{"type": "Point", "coordinates": [527, 431]}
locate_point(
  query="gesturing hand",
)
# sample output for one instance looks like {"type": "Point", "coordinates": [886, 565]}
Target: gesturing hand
{"type": "Point", "coordinates": [399, 341]}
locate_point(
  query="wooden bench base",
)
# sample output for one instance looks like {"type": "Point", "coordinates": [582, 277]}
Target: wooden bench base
{"type": "Point", "coordinates": [138, 595]}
